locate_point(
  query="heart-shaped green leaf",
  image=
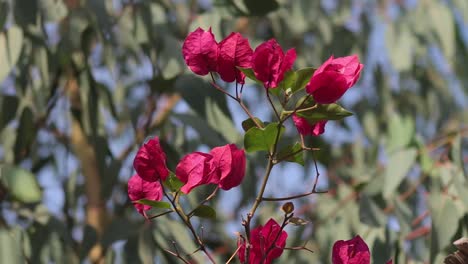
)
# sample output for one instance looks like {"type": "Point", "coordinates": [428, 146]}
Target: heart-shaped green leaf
{"type": "Point", "coordinates": [257, 139]}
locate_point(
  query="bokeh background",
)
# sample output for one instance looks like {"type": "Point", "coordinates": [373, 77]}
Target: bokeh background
{"type": "Point", "coordinates": [84, 83]}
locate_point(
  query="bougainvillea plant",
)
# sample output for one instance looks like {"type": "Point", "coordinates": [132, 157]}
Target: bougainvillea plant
{"type": "Point", "coordinates": [307, 98]}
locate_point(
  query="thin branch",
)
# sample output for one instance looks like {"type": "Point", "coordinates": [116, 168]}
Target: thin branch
{"type": "Point", "coordinates": [273, 199]}
{"type": "Point", "coordinates": [272, 104]}
{"type": "Point", "coordinates": [161, 214]}
{"type": "Point", "coordinates": [238, 100]}
{"type": "Point", "coordinates": [213, 82]}
{"type": "Point", "coordinates": [187, 222]}
{"type": "Point", "coordinates": [176, 255]}
{"type": "Point", "coordinates": [298, 108]}
{"type": "Point", "coordinates": [316, 171]}
{"type": "Point", "coordinates": [258, 199]}
{"type": "Point", "coordinates": [233, 255]}
{"type": "Point", "coordinates": [294, 153]}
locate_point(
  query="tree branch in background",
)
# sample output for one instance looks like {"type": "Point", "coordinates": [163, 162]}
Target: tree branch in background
{"type": "Point", "coordinates": [96, 213]}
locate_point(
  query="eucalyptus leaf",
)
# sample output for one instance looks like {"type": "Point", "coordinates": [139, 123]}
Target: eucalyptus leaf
{"type": "Point", "coordinates": [11, 43]}
{"type": "Point", "coordinates": [20, 184]}
{"type": "Point", "coordinates": [398, 166]}
{"type": "Point", "coordinates": [370, 213]}
{"type": "Point", "coordinates": [9, 105]}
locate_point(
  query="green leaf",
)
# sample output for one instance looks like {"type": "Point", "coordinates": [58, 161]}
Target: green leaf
{"type": "Point", "coordinates": [173, 183]}
{"type": "Point", "coordinates": [261, 7]}
{"type": "Point", "coordinates": [207, 134]}
{"type": "Point", "coordinates": [11, 43]}
{"type": "Point", "coordinates": [370, 213]}
{"type": "Point", "coordinates": [276, 91]}
{"type": "Point", "coordinates": [370, 124]}
{"type": "Point", "coordinates": [249, 73]}
{"type": "Point", "coordinates": [444, 215]}
{"type": "Point", "coordinates": [443, 27]}
{"type": "Point", "coordinates": [118, 229]}
{"type": "Point", "coordinates": [288, 80]}
{"type": "Point", "coordinates": [52, 10]}
{"type": "Point", "coordinates": [155, 204]}
{"type": "Point", "coordinates": [425, 160]}
{"type": "Point", "coordinates": [399, 163]}
{"type": "Point", "coordinates": [400, 132]}
{"type": "Point", "coordinates": [198, 93]}
{"type": "Point", "coordinates": [289, 150]}
{"type": "Point", "coordinates": [205, 211]}
{"type": "Point", "coordinates": [9, 105]}
{"type": "Point", "coordinates": [257, 139]}
{"type": "Point", "coordinates": [21, 184]}
{"type": "Point", "coordinates": [249, 123]}
{"type": "Point", "coordinates": [400, 42]}
{"type": "Point", "coordinates": [25, 12]}
{"type": "Point", "coordinates": [171, 61]}
{"type": "Point", "coordinates": [11, 246]}
{"type": "Point", "coordinates": [302, 78]}
{"type": "Point", "coordinates": [26, 133]}
{"type": "Point", "coordinates": [220, 121]}
{"type": "Point", "coordinates": [404, 214]}
{"type": "Point", "coordinates": [325, 112]}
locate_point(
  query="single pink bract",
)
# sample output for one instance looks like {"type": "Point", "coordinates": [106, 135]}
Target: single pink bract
{"type": "Point", "coordinates": [234, 51]}
{"type": "Point", "coordinates": [353, 251]}
{"type": "Point", "coordinates": [333, 78]}
{"type": "Point", "coordinates": [269, 63]}
{"type": "Point", "coordinates": [150, 161]}
{"type": "Point", "coordinates": [229, 163]}
{"type": "Point", "coordinates": [224, 166]}
{"type": "Point", "coordinates": [305, 128]}
{"type": "Point", "coordinates": [200, 51]}
{"type": "Point", "coordinates": [139, 189]}
{"type": "Point", "coordinates": [194, 170]}
{"type": "Point", "coordinates": [267, 243]}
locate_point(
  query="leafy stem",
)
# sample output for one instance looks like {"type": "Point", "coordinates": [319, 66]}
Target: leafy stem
{"type": "Point", "coordinates": [180, 212]}
{"type": "Point", "coordinates": [259, 197]}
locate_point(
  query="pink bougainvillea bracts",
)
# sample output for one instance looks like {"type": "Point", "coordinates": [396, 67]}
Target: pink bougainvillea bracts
{"type": "Point", "coordinates": [234, 51]}
{"type": "Point", "coordinates": [224, 166]}
{"type": "Point", "coordinates": [229, 163]}
{"type": "Point", "coordinates": [331, 80]}
{"type": "Point", "coordinates": [150, 161]}
{"type": "Point", "coordinates": [269, 63]}
{"type": "Point", "coordinates": [140, 189]}
{"type": "Point", "coordinates": [353, 251]}
{"type": "Point", "coordinates": [194, 170]}
{"type": "Point", "coordinates": [200, 51]}
{"type": "Point", "coordinates": [267, 243]}
{"type": "Point", "coordinates": [305, 128]}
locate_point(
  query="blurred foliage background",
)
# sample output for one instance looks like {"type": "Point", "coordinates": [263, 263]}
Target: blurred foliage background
{"type": "Point", "coordinates": [84, 83]}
